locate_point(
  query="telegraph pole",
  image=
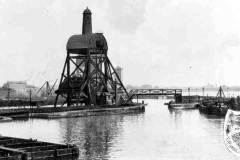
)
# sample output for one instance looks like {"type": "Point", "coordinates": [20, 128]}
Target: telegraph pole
{"type": "Point", "coordinates": [203, 91]}
{"type": "Point", "coordinates": [189, 95]}
{"type": "Point", "coordinates": [30, 98]}
{"type": "Point", "coordinates": [8, 94]}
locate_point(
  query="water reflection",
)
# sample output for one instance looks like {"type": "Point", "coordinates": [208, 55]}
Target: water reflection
{"type": "Point", "coordinates": [94, 135]}
{"type": "Point", "coordinates": [180, 115]}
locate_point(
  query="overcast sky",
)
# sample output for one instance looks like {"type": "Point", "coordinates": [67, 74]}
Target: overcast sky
{"type": "Point", "coordinates": [158, 42]}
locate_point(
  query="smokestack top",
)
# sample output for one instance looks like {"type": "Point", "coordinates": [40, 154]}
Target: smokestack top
{"type": "Point", "coordinates": [87, 22]}
{"type": "Point", "coordinates": [87, 11]}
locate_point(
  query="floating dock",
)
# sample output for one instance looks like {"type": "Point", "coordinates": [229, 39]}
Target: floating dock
{"type": "Point", "coordinates": [91, 111]}
{"type": "Point", "coordinates": [71, 111]}
{"type": "Point", "coordinates": [29, 149]}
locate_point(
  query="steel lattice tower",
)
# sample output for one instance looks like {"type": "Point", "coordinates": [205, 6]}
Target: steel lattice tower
{"type": "Point", "coordinates": [88, 77]}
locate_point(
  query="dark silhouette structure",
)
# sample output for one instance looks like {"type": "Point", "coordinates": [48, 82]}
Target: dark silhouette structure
{"type": "Point", "coordinates": [48, 90]}
{"type": "Point", "coordinates": [88, 77]}
{"type": "Point", "coordinates": [177, 93]}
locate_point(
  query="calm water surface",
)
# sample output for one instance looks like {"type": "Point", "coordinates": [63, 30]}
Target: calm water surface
{"type": "Point", "coordinates": [156, 134]}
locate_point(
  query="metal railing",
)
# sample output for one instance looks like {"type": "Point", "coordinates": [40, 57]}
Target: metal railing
{"type": "Point", "coordinates": [155, 92]}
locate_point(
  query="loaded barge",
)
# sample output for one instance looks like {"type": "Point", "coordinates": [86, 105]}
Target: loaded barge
{"type": "Point", "coordinates": [29, 149]}
{"type": "Point", "coordinates": [217, 106]}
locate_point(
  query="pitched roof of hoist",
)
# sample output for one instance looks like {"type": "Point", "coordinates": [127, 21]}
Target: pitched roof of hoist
{"type": "Point", "coordinates": [87, 41]}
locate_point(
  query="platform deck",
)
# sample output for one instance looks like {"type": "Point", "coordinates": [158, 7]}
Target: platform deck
{"type": "Point", "coordinates": [71, 111]}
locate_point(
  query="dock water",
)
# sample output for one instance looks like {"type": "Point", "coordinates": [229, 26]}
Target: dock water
{"type": "Point", "coordinates": [158, 133]}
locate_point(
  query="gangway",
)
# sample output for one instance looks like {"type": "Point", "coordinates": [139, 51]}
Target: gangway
{"type": "Point", "coordinates": [177, 93]}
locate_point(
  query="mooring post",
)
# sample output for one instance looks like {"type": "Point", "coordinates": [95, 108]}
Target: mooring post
{"type": "Point", "coordinates": [55, 154]}
{"type": "Point", "coordinates": [189, 95]}
{"type": "Point", "coordinates": [8, 94]}
{"type": "Point", "coordinates": [24, 156]}
{"type": "Point", "coordinates": [203, 91]}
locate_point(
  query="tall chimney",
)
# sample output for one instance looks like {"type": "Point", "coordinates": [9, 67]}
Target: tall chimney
{"type": "Point", "coordinates": [87, 22]}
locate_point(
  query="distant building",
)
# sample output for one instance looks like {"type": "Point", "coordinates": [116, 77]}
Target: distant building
{"type": "Point", "coordinates": [6, 93]}
{"type": "Point", "coordinates": [19, 87]}
{"type": "Point", "coordinates": [34, 89]}
{"type": "Point", "coordinates": [119, 72]}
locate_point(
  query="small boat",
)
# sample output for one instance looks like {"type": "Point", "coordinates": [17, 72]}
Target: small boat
{"type": "Point", "coordinates": [216, 106]}
{"type": "Point", "coordinates": [218, 109]}
{"type": "Point", "coordinates": [173, 105]}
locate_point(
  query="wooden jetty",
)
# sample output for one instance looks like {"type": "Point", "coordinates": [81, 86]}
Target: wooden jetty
{"type": "Point", "coordinates": [29, 149]}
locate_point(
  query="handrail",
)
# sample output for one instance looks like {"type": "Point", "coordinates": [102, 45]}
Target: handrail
{"type": "Point", "coordinates": [155, 92]}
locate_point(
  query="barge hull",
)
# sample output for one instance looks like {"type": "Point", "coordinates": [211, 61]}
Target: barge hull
{"type": "Point", "coordinates": [28, 149]}
{"type": "Point", "coordinates": [213, 110]}
{"type": "Point", "coordinates": [67, 112]}
{"type": "Point", "coordinates": [90, 112]}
